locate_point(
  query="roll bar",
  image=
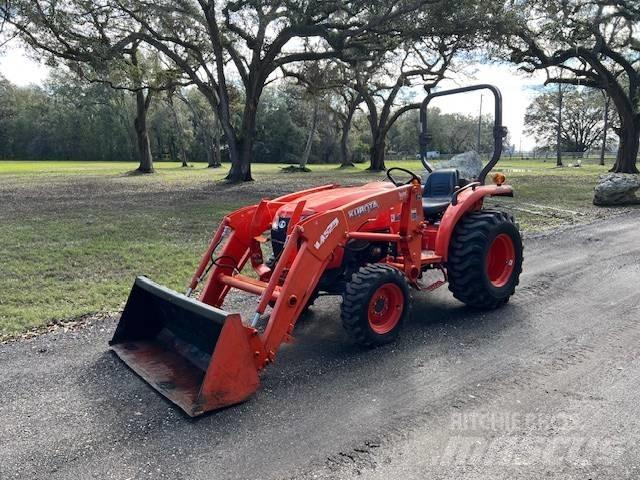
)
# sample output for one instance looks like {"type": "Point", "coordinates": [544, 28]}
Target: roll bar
{"type": "Point", "coordinates": [499, 131]}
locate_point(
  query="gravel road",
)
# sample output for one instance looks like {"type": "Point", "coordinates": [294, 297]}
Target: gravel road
{"type": "Point", "coordinates": [546, 387]}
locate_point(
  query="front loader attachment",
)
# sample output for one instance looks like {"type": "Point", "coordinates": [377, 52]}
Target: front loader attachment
{"type": "Point", "coordinates": [196, 355]}
{"type": "Point", "coordinates": [203, 358]}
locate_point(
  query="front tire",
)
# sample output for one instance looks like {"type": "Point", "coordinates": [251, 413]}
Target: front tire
{"type": "Point", "coordinates": [375, 304]}
{"type": "Point", "coordinates": [485, 259]}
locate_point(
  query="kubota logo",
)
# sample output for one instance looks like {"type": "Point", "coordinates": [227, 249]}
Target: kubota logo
{"type": "Point", "coordinates": [362, 209]}
{"type": "Point", "coordinates": [327, 231]}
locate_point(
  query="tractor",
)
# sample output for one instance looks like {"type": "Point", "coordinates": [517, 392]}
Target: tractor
{"type": "Point", "coordinates": [374, 245]}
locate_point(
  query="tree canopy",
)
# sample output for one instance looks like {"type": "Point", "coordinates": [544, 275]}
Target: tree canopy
{"type": "Point", "coordinates": [582, 125]}
{"type": "Point", "coordinates": [237, 76]}
{"type": "Point", "coordinates": [591, 43]}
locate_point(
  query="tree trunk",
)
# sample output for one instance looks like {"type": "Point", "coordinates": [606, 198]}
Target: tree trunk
{"type": "Point", "coordinates": [240, 154]}
{"type": "Point", "coordinates": [173, 152]}
{"type": "Point", "coordinates": [605, 128]}
{"type": "Point", "coordinates": [377, 155]}
{"type": "Point", "coordinates": [240, 170]}
{"type": "Point", "coordinates": [629, 134]}
{"type": "Point", "coordinates": [241, 165]}
{"type": "Point", "coordinates": [183, 155]}
{"type": "Point", "coordinates": [213, 145]}
{"type": "Point", "coordinates": [559, 129]}
{"type": "Point", "coordinates": [219, 103]}
{"type": "Point", "coordinates": [212, 153]}
{"type": "Point", "coordinates": [312, 131]}
{"type": "Point", "coordinates": [208, 154]}
{"type": "Point", "coordinates": [179, 132]}
{"type": "Point", "coordinates": [215, 159]}
{"type": "Point", "coordinates": [345, 152]}
{"type": "Point", "coordinates": [142, 133]}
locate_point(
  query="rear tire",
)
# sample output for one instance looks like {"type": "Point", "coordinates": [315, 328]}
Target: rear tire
{"type": "Point", "coordinates": [485, 259]}
{"type": "Point", "coordinates": [375, 304]}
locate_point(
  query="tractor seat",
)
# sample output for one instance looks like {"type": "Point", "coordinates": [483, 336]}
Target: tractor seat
{"type": "Point", "coordinates": [438, 190]}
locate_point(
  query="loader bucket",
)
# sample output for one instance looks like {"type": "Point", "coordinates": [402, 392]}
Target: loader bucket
{"type": "Point", "coordinates": [196, 355]}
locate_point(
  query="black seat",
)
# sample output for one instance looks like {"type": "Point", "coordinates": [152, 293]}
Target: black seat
{"type": "Point", "coordinates": [439, 187]}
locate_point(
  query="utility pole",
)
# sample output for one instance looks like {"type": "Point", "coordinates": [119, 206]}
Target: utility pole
{"type": "Point", "coordinates": [559, 129]}
{"type": "Point", "coordinates": [605, 127]}
{"type": "Point", "coordinates": [479, 123]}
{"type": "Point", "coordinates": [521, 154]}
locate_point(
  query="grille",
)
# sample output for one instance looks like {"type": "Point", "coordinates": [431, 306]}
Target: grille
{"type": "Point", "coordinates": [279, 235]}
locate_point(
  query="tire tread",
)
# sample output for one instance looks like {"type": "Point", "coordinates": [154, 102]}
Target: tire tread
{"type": "Point", "coordinates": [465, 264]}
{"type": "Point", "coordinates": [356, 297]}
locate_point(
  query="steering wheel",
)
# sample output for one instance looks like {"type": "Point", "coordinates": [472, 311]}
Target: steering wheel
{"type": "Point", "coordinates": [399, 184]}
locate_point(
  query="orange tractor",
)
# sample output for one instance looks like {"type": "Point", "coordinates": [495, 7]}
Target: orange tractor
{"type": "Point", "coordinates": [372, 244]}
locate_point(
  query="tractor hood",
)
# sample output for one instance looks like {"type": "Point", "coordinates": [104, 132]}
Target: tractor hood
{"type": "Point", "coordinates": [329, 199]}
{"type": "Point", "coordinates": [322, 201]}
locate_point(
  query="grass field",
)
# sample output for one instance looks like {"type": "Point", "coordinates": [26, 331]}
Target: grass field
{"type": "Point", "coordinates": [73, 235]}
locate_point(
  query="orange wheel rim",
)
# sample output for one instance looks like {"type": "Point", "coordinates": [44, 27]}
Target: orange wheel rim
{"type": "Point", "coordinates": [501, 260]}
{"type": "Point", "coordinates": [385, 308]}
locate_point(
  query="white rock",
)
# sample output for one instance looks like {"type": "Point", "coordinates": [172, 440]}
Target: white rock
{"type": "Point", "coordinates": [469, 164]}
{"type": "Point", "coordinates": [617, 189]}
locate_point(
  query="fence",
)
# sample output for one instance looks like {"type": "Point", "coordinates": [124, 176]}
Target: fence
{"type": "Point", "coordinates": [587, 158]}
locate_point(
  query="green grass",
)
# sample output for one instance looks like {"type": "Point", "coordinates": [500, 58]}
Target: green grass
{"type": "Point", "coordinates": [64, 267]}
{"type": "Point", "coordinates": [73, 235]}
{"type": "Point", "coordinates": [167, 170]}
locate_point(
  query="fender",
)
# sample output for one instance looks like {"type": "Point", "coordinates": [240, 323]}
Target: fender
{"type": "Point", "coordinates": [468, 200]}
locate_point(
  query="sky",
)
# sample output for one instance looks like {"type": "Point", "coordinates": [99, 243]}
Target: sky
{"type": "Point", "coordinates": [517, 89]}
{"type": "Point", "coordinates": [20, 70]}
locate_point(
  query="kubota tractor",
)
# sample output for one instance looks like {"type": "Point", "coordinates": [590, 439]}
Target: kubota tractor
{"type": "Point", "coordinates": [372, 244]}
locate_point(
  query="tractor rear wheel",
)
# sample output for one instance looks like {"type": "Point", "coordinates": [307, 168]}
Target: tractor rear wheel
{"type": "Point", "coordinates": [375, 304]}
{"type": "Point", "coordinates": [485, 259]}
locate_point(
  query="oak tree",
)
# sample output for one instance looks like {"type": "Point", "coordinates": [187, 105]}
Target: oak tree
{"type": "Point", "coordinates": [592, 43]}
